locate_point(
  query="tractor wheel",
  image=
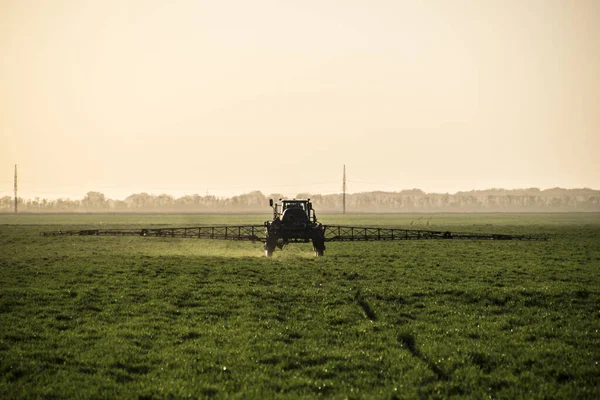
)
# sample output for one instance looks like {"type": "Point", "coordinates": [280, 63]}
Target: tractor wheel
{"type": "Point", "coordinates": [318, 252]}
{"type": "Point", "coordinates": [269, 249]}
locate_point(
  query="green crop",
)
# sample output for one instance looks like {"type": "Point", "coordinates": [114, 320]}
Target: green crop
{"type": "Point", "coordinates": [134, 317]}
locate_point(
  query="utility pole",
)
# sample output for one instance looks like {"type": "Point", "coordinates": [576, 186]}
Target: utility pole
{"type": "Point", "coordinates": [15, 188]}
{"type": "Point", "coordinates": [344, 192]}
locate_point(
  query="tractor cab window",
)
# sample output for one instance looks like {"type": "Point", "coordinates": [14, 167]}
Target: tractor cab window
{"type": "Point", "coordinates": [299, 205]}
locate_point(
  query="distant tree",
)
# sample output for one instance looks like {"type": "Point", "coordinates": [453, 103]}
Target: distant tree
{"type": "Point", "coordinates": [164, 200]}
{"type": "Point", "coordinates": [64, 205]}
{"type": "Point", "coordinates": [138, 200]}
{"type": "Point", "coordinates": [256, 199]}
{"type": "Point", "coordinates": [7, 203]}
{"type": "Point", "coordinates": [94, 200]}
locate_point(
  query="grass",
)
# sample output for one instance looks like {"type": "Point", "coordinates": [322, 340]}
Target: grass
{"type": "Point", "coordinates": [133, 317]}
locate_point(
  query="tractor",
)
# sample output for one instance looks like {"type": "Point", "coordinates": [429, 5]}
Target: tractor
{"type": "Point", "coordinates": [293, 221]}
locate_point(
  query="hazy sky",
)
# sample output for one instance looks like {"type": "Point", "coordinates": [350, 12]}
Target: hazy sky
{"type": "Point", "coordinates": [225, 96]}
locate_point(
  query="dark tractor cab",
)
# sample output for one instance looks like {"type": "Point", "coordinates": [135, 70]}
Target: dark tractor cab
{"type": "Point", "coordinates": [294, 215]}
{"type": "Point", "coordinates": [293, 211]}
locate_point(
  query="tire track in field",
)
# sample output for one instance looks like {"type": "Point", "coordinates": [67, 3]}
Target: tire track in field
{"type": "Point", "coordinates": [405, 340]}
{"type": "Point", "coordinates": [366, 307]}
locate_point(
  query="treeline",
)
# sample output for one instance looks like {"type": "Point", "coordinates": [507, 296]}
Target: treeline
{"type": "Point", "coordinates": [415, 200]}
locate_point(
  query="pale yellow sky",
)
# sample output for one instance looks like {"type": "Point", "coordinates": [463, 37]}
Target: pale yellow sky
{"type": "Point", "coordinates": [192, 96]}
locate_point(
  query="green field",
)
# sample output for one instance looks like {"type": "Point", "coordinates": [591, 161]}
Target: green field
{"type": "Point", "coordinates": [133, 317]}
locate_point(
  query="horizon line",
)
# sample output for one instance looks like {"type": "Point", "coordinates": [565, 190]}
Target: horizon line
{"type": "Point", "coordinates": [52, 196]}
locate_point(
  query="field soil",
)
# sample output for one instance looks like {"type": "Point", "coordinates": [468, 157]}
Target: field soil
{"type": "Point", "coordinates": [136, 317]}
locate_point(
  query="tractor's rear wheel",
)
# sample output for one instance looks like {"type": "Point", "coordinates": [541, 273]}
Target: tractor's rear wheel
{"type": "Point", "coordinates": [318, 251]}
{"type": "Point", "coordinates": [270, 247]}
{"type": "Point", "coordinates": [318, 245]}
